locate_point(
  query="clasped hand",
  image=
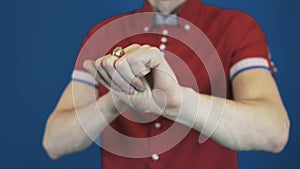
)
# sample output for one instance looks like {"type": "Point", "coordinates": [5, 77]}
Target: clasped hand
{"type": "Point", "coordinates": [142, 78]}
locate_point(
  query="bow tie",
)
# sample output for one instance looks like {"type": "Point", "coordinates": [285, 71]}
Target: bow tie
{"type": "Point", "coordinates": [160, 19]}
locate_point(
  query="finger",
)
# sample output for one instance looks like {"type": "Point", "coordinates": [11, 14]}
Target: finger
{"type": "Point", "coordinates": [152, 57]}
{"type": "Point", "coordinates": [145, 46]}
{"type": "Point", "coordinates": [89, 65]}
{"type": "Point", "coordinates": [101, 71]}
{"type": "Point", "coordinates": [125, 71]}
{"type": "Point", "coordinates": [108, 64]}
{"type": "Point", "coordinates": [121, 84]}
{"type": "Point", "coordinates": [104, 77]}
{"type": "Point", "coordinates": [131, 48]}
{"type": "Point", "coordinates": [115, 88]}
{"type": "Point", "coordinates": [98, 71]}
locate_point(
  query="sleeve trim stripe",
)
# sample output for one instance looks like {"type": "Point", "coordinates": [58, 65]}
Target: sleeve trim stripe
{"type": "Point", "coordinates": [84, 76]}
{"type": "Point", "coordinates": [249, 68]}
{"type": "Point", "coordinates": [246, 63]}
{"type": "Point", "coordinates": [90, 84]}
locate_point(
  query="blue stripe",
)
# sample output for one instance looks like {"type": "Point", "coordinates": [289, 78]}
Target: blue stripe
{"type": "Point", "coordinates": [249, 68]}
{"type": "Point", "coordinates": [85, 82]}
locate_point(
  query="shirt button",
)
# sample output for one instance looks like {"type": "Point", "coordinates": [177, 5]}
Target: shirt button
{"type": "Point", "coordinates": [162, 47]}
{"type": "Point", "coordinates": [155, 157]}
{"type": "Point", "coordinates": [157, 125]}
{"type": "Point", "coordinates": [164, 39]}
{"type": "Point", "coordinates": [187, 27]}
{"type": "Point", "coordinates": [165, 32]}
{"type": "Point", "coordinates": [146, 29]}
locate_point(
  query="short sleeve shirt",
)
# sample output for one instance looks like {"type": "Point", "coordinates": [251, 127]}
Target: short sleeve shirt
{"type": "Point", "coordinates": [241, 46]}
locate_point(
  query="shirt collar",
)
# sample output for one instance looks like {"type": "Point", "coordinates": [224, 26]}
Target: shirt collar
{"type": "Point", "coordinates": [159, 19]}
{"type": "Point", "coordinates": [190, 10]}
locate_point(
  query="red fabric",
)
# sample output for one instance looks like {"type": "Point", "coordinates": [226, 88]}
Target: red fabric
{"type": "Point", "coordinates": [235, 36]}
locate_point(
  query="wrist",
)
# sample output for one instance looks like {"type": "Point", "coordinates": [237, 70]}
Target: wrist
{"type": "Point", "coordinates": [111, 104]}
{"type": "Point", "coordinates": [188, 100]}
{"type": "Point", "coordinates": [188, 112]}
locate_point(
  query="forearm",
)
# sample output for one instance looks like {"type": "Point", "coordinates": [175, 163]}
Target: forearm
{"type": "Point", "coordinates": [74, 130]}
{"type": "Point", "coordinates": [239, 125]}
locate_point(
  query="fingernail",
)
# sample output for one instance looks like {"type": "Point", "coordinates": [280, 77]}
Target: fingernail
{"type": "Point", "coordinates": [141, 87]}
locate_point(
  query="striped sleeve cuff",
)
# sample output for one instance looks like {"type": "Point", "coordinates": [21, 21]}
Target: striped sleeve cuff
{"type": "Point", "coordinates": [248, 64]}
{"type": "Point", "coordinates": [84, 77]}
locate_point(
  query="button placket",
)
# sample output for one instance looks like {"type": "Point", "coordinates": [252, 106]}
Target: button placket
{"type": "Point", "coordinates": [146, 29]}
{"type": "Point", "coordinates": [157, 125]}
{"type": "Point", "coordinates": [187, 27]}
{"type": "Point", "coordinates": [164, 39]}
{"type": "Point", "coordinates": [162, 47]}
{"type": "Point", "coordinates": [165, 32]}
{"type": "Point", "coordinates": [155, 157]}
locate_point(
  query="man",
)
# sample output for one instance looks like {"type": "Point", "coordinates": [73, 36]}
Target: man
{"type": "Point", "coordinates": [142, 79]}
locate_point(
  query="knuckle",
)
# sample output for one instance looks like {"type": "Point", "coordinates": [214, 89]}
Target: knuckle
{"type": "Point", "coordinates": [157, 53]}
{"type": "Point", "coordinates": [98, 62]}
{"type": "Point", "coordinates": [108, 63]}
{"type": "Point", "coordinates": [119, 65]}
{"type": "Point", "coordinates": [88, 65]}
{"type": "Point", "coordinates": [135, 45]}
{"type": "Point", "coordinates": [154, 49]}
{"type": "Point", "coordinates": [145, 46]}
{"type": "Point", "coordinates": [104, 64]}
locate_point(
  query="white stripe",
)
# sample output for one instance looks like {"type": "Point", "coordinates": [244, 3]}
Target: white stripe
{"type": "Point", "coordinates": [249, 62]}
{"type": "Point", "coordinates": [84, 76]}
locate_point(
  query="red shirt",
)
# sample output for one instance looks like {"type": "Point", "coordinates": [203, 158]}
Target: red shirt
{"type": "Point", "coordinates": [241, 46]}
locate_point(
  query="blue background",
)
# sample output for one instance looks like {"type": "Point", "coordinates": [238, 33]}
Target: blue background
{"type": "Point", "coordinates": [39, 43]}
